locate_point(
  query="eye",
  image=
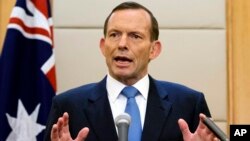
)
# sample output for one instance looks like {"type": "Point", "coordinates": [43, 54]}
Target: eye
{"type": "Point", "coordinates": [114, 34]}
{"type": "Point", "coordinates": [135, 36]}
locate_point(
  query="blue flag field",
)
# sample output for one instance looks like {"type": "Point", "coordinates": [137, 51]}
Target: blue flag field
{"type": "Point", "coordinates": [27, 72]}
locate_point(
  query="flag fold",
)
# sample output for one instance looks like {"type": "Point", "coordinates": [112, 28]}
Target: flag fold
{"type": "Point", "coordinates": [27, 72]}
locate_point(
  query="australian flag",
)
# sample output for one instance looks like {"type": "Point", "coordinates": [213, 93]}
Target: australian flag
{"type": "Point", "coordinates": [27, 72]}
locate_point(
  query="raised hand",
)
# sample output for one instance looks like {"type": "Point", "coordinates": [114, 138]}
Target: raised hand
{"type": "Point", "coordinates": [202, 132]}
{"type": "Point", "coordinates": [60, 130]}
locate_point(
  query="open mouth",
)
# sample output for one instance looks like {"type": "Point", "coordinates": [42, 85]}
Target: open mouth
{"type": "Point", "coordinates": [122, 59]}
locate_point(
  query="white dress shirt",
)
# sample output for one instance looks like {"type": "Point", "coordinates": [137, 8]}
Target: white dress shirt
{"type": "Point", "coordinates": [118, 101]}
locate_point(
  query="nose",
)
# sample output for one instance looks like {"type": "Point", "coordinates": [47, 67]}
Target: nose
{"type": "Point", "coordinates": [123, 43]}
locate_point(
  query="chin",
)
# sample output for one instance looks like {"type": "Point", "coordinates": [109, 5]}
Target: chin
{"type": "Point", "coordinates": [122, 74]}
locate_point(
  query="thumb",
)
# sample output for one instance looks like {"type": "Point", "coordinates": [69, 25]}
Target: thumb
{"type": "Point", "coordinates": [184, 129]}
{"type": "Point", "coordinates": [82, 135]}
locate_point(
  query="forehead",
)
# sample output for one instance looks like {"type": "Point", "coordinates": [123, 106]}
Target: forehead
{"type": "Point", "coordinates": [130, 18]}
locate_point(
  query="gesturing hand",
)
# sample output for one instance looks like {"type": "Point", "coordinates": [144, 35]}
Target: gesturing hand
{"type": "Point", "coordinates": [60, 130]}
{"type": "Point", "coordinates": [202, 132]}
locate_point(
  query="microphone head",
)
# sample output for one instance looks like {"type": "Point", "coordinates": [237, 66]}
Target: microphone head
{"type": "Point", "coordinates": [123, 118]}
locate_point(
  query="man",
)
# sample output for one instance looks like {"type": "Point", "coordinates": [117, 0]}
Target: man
{"type": "Point", "coordinates": [167, 111]}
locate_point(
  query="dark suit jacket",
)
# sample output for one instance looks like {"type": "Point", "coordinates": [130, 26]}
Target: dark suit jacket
{"type": "Point", "coordinates": [88, 106]}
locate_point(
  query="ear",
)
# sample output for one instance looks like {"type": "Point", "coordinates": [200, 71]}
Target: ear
{"type": "Point", "coordinates": [155, 50]}
{"type": "Point", "coordinates": [102, 46]}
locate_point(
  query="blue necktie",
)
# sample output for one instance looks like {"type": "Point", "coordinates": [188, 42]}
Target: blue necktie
{"type": "Point", "coordinates": [135, 128]}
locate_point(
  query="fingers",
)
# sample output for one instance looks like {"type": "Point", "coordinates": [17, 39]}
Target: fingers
{"type": "Point", "coordinates": [201, 124]}
{"type": "Point", "coordinates": [82, 135]}
{"type": "Point", "coordinates": [65, 123]}
{"type": "Point", "coordinates": [184, 129]}
{"type": "Point", "coordinates": [62, 124]}
{"type": "Point", "coordinates": [204, 131]}
{"type": "Point", "coordinates": [60, 128]}
{"type": "Point", "coordinates": [215, 139]}
{"type": "Point", "coordinates": [202, 116]}
{"type": "Point", "coordinates": [65, 118]}
{"type": "Point", "coordinates": [54, 133]}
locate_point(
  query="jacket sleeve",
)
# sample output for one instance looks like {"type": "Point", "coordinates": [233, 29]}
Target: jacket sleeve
{"type": "Point", "coordinates": [201, 107]}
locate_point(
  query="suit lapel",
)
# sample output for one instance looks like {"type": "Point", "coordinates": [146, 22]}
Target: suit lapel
{"type": "Point", "coordinates": [157, 111]}
{"type": "Point", "coordinates": [99, 114]}
{"type": "Point", "coordinates": [101, 120]}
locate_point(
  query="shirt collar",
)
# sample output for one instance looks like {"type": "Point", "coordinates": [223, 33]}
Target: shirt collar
{"type": "Point", "coordinates": [115, 87]}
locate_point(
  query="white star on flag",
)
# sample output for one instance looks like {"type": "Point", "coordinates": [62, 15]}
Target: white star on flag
{"type": "Point", "coordinates": [24, 126]}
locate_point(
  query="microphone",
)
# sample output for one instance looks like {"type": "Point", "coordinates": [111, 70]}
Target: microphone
{"type": "Point", "coordinates": [122, 122]}
{"type": "Point", "coordinates": [215, 129]}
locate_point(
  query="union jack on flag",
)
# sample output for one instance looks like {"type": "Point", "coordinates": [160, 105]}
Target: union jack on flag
{"type": "Point", "coordinates": [27, 72]}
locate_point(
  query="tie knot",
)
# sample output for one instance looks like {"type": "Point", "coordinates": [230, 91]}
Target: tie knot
{"type": "Point", "coordinates": [130, 92]}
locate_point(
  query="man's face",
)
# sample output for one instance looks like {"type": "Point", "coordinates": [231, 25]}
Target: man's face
{"type": "Point", "coordinates": [127, 46]}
